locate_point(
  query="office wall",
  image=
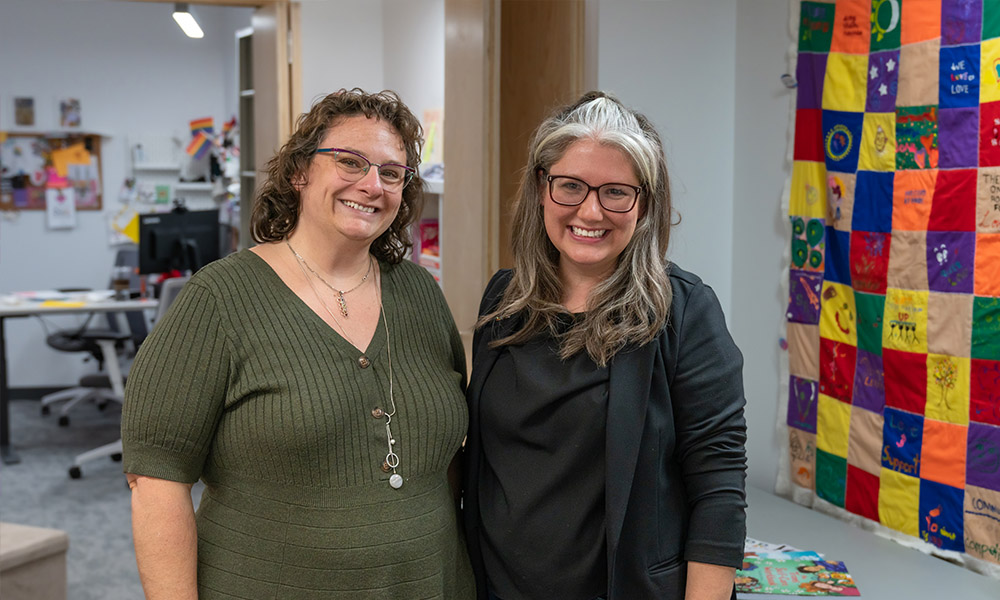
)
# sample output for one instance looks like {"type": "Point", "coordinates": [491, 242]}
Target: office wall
{"type": "Point", "coordinates": [134, 72]}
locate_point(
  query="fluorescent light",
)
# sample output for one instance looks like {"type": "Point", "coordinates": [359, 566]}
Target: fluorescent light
{"type": "Point", "coordinates": [186, 20]}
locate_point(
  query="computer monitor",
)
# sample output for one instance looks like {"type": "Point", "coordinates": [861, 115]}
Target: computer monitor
{"type": "Point", "coordinates": [183, 240]}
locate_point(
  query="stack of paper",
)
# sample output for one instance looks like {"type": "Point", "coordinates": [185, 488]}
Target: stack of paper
{"type": "Point", "coordinates": [779, 571]}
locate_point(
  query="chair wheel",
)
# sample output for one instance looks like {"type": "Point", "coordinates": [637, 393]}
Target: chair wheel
{"type": "Point", "coordinates": [64, 421]}
{"type": "Point", "coordinates": [74, 473]}
{"type": "Point", "coordinates": [46, 410]}
{"type": "Point", "coordinates": [117, 457]}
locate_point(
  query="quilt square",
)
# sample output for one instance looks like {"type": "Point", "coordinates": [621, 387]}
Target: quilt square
{"type": "Point", "coordinates": [836, 260]}
{"type": "Point", "coordinates": [905, 380]}
{"type": "Point", "coordinates": [883, 82]}
{"type": "Point", "coordinates": [908, 260]}
{"type": "Point", "coordinates": [986, 328]}
{"type": "Point", "coordinates": [989, 134]}
{"type": "Point", "coordinates": [810, 71]}
{"type": "Point", "coordinates": [989, 71]}
{"type": "Point", "coordinates": [959, 78]}
{"type": "Point", "coordinates": [803, 301]}
{"type": "Point", "coordinates": [988, 264]}
{"type": "Point", "coordinates": [869, 383]}
{"type": "Point", "coordinates": [870, 310]}
{"type": "Point", "coordinates": [836, 370]}
{"type": "Point", "coordinates": [905, 322]}
{"type": "Point", "coordinates": [878, 142]}
{"type": "Point", "coordinates": [851, 27]}
{"type": "Point", "coordinates": [885, 25]}
{"type": "Point", "coordinates": [899, 502]}
{"type": "Point", "coordinates": [831, 477]}
{"type": "Point", "coordinates": [988, 200]}
{"type": "Point", "coordinates": [833, 424]}
{"type": "Point", "coordinates": [984, 398]}
{"type": "Point", "coordinates": [808, 244]}
{"type": "Point", "coordinates": [873, 202]}
{"type": "Point", "coordinates": [809, 134]}
{"type": "Point", "coordinates": [916, 137]}
{"type": "Point", "coordinates": [802, 448]}
{"type": "Point", "coordinates": [803, 350]}
{"type": "Point", "coordinates": [837, 314]}
{"type": "Point", "coordinates": [961, 21]}
{"type": "Point", "coordinates": [991, 24]}
{"type": "Point", "coordinates": [845, 86]}
{"type": "Point", "coordinates": [983, 456]}
{"type": "Point", "coordinates": [807, 196]}
{"type": "Point", "coordinates": [803, 396]}
{"type": "Point", "coordinates": [912, 196]}
{"type": "Point", "coordinates": [842, 139]}
{"type": "Point", "coordinates": [918, 74]}
{"type": "Point", "coordinates": [869, 261]}
{"type": "Point", "coordinates": [902, 439]}
{"type": "Point", "coordinates": [944, 453]}
{"type": "Point", "coordinates": [865, 446]}
{"type": "Point", "coordinates": [949, 324]}
{"type": "Point", "coordinates": [947, 388]}
{"type": "Point", "coordinates": [862, 493]}
{"type": "Point", "coordinates": [840, 200]}
{"type": "Point", "coordinates": [982, 523]}
{"type": "Point", "coordinates": [950, 261]}
{"type": "Point", "coordinates": [954, 206]}
{"type": "Point", "coordinates": [920, 20]}
{"type": "Point", "coordinates": [941, 516]}
{"type": "Point", "coordinates": [958, 140]}
{"type": "Point", "coordinates": [815, 27]}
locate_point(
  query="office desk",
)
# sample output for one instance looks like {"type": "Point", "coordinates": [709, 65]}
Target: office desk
{"type": "Point", "coordinates": [883, 569]}
{"type": "Point", "coordinates": [32, 308]}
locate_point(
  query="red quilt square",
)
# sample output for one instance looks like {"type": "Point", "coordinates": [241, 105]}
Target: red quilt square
{"type": "Point", "coordinates": [836, 369]}
{"type": "Point", "coordinates": [984, 400]}
{"type": "Point", "coordinates": [989, 134]}
{"type": "Point", "coordinates": [862, 493]}
{"type": "Point", "coordinates": [809, 134]}
{"type": "Point", "coordinates": [869, 261]}
{"type": "Point", "coordinates": [954, 204]}
{"type": "Point", "coordinates": [905, 380]}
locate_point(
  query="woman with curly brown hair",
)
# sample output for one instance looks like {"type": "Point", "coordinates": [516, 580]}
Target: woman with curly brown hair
{"type": "Point", "coordinates": [313, 382]}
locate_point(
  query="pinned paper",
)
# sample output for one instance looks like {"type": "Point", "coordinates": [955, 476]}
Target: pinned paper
{"type": "Point", "coordinates": [74, 155]}
{"type": "Point", "coordinates": [60, 208]}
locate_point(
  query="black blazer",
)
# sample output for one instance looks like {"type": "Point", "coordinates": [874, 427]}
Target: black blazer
{"type": "Point", "coordinates": [676, 461]}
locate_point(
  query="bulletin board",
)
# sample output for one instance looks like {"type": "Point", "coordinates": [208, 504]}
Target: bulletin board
{"type": "Point", "coordinates": [31, 163]}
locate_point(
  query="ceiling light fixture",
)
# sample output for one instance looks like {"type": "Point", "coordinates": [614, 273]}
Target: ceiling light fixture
{"type": "Point", "coordinates": [186, 20]}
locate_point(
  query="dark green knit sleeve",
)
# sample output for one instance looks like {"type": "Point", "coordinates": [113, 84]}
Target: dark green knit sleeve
{"type": "Point", "coordinates": [176, 390]}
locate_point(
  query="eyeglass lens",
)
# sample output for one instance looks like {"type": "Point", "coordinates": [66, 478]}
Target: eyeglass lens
{"type": "Point", "coordinates": [616, 197]}
{"type": "Point", "coordinates": [353, 166]}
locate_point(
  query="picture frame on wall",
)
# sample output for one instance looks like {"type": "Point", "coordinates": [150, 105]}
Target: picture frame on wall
{"type": "Point", "coordinates": [24, 111]}
{"type": "Point", "coordinates": [70, 116]}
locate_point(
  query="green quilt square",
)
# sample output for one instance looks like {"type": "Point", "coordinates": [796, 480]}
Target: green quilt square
{"type": "Point", "coordinates": [871, 308]}
{"type": "Point", "coordinates": [991, 20]}
{"type": "Point", "coordinates": [885, 24]}
{"type": "Point", "coordinates": [831, 477]}
{"type": "Point", "coordinates": [986, 328]}
{"type": "Point", "coordinates": [815, 27]}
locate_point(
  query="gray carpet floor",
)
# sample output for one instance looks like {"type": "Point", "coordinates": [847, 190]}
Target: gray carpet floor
{"type": "Point", "coordinates": [94, 510]}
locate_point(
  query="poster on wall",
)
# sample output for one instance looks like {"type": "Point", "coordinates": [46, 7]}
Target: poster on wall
{"type": "Point", "coordinates": [69, 113]}
{"type": "Point", "coordinates": [60, 208]}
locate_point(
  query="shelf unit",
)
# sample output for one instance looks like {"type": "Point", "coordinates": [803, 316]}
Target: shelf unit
{"type": "Point", "coordinates": [248, 166]}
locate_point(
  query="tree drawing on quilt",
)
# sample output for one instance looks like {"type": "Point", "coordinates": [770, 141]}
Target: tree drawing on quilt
{"type": "Point", "coordinates": [944, 375]}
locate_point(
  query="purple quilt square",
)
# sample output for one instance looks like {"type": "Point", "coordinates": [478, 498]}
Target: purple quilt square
{"type": "Point", "coordinates": [883, 81]}
{"type": "Point", "coordinates": [803, 296]}
{"type": "Point", "coordinates": [961, 21]}
{"type": "Point", "coordinates": [958, 137]}
{"type": "Point", "coordinates": [869, 382]}
{"type": "Point", "coordinates": [803, 396]}
{"type": "Point", "coordinates": [951, 261]}
{"type": "Point", "coordinates": [809, 73]}
{"type": "Point", "coordinates": [983, 457]}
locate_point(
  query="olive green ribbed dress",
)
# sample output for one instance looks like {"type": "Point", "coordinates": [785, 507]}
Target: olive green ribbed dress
{"type": "Point", "coordinates": [244, 386]}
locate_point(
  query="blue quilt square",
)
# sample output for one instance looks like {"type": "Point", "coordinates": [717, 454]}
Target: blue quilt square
{"type": "Point", "coordinates": [873, 202]}
{"type": "Point", "coordinates": [902, 441]}
{"type": "Point", "coordinates": [941, 508]}
{"type": "Point", "coordinates": [842, 139]}
{"type": "Point", "coordinates": [959, 76]}
{"type": "Point", "coordinates": [838, 253]}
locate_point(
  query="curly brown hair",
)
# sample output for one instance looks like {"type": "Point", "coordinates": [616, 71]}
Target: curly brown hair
{"type": "Point", "coordinates": [276, 208]}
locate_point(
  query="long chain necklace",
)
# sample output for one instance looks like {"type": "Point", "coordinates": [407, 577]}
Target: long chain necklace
{"type": "Point", "coordinates": [340, 293]}
{"type": "Point", "coordinates": [391, 458]}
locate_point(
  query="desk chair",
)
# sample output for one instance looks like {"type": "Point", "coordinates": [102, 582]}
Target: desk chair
{"type": "Point", "coordinates": [168, 293]}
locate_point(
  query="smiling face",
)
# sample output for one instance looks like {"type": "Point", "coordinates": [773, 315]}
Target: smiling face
{"type": "Point", "coordinates": [358, 211]}
{"type": "Point", "coordinates": [588, 237]}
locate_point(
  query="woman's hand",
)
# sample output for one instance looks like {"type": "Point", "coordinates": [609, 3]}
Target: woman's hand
{"type": "Point", "coordinates": [166, 541]}
{"type": "Point", "coordinates": [709, 582]}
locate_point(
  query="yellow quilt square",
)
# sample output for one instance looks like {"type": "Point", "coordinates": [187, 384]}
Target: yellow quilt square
{"type": "Point", "coordinates": [899, 502]}
{"type": "Point", "coordinates": [808, 193]}
{"type": "Point", "coordinates": [833, 425]}
{"type": "Point", "coordinates": [846, 84]}
{"type": "Point", "coordinates": [989, 64]}
{"type": "Point", "coordinates": [948, 388]}
{"type": "Point", "coordinates": [878, 143]}
{"type": "Point", "coordinates": [904, 326]}
{"type": "Point", "coordinates": [838, 316]}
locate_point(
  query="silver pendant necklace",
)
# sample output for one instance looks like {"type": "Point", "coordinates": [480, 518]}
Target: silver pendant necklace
{"type": "Point", "coordinates": [340, 293]}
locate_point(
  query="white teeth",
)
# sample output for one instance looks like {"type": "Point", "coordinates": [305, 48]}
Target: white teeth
{"type": "Point", "coordinates": [367, 209]}
{"type": "Point", "coordinates": [592, 233]}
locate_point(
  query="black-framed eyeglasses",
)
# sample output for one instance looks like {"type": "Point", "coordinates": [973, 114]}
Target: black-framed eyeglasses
{"type": "Point", "coordinates": [353, 166]}
{"type": "Point", "coordinates": [613, 197]}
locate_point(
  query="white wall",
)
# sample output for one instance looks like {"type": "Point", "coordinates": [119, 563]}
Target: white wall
{"type": "Point", "coordinates": [134, 72]}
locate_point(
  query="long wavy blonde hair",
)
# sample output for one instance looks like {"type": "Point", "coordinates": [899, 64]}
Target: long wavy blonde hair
{"type": "Point", "coordinates": [632, 304]}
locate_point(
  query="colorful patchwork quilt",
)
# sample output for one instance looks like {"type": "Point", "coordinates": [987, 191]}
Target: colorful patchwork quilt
{"type": "Point", "coordinates": [894, 288]}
